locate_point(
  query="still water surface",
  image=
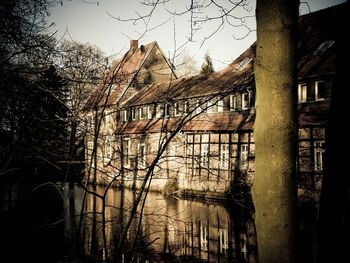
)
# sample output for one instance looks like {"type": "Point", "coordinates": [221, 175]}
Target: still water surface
{"type": "Point", "coordinates": [42, 224]}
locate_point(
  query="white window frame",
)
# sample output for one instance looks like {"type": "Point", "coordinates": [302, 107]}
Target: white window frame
{"type": "Point", "coordinates": [318, 155]}
{"type": "Point", "coordinates": [204, 154]}
{"type": "Point", "coordinates": [317, 98]}
{"type": "Point", "coordinates": [149, 112]}
{"type": "Point", "coordinates": [224, 155]}
{"type": "Point", "coordinates": [126, 152]}
{"type": "Point", "coordinates": [141, 113]}
{"type": "Point", "coordinates": [244, 152]}
{"type": "Point", "coordinates": [198, 107]}
{"type": "Point", "coordinates": [159, 111]}
{"type": "Point", "coordinates": [302, 92]}
{"type": "Point", "coordinates": [125, 115]}
{"type": "Point", "coordinates": [233, 102]}
{"type": "Point", "coordinates": [133, 113]}
{"type": "Point", "coordinates": [176, 109]}
{"type": "Point", "coordinates": [247, 106]}
{"type": "Point", "coordinates": [167, 109]}
{"type": "Point", "coordinates": [90, 147]}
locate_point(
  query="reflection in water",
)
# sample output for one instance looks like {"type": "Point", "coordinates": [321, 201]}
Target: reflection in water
{"type": "Point", "coordinates": [166, 230]}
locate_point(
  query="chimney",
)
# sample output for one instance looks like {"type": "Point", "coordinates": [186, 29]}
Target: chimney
{"type": "Point", "coordinates": [134, 45]}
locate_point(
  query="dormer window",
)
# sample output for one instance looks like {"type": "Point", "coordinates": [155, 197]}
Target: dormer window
{"type": "Point", "coordinates": [243, 64]}
{"type": "Point", "coordinates": [149, 112]}
{"type": "Point", "coordinates": [167, 110]}
{"type": "Point", "coordinates": [125, 115]}
{"type": "Point", "coordinates": [187, 107]}
{"type": "Point", "coordinates": [198, 106]}
{"type": "Point", "coordinates": [176, 109]}
{"type": "Point", "coordinates": [302, 92]}
{"type": "Point", "coordinates": [323, 47]}
{"type": "Point", "coordinates": [133, 114]}
{"type": "Point", "coordinates": [142, 113]}
{"type": "Point", "coordinates": [245, 100]}
{"type": "Point", "coordinates": [233, 102]}
{"type": "Point", "coordinates": [159, 111]}
{"type": "Point", "coordinates": [320, 90]}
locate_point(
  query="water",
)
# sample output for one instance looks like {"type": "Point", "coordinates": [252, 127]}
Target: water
{"type": "Point", "coordinates": [54, 224]}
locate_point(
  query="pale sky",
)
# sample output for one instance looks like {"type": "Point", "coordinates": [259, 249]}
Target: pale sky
{"type": "Point", "coordinates": [89, 22]}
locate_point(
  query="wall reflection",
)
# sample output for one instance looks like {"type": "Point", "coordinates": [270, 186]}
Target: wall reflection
{"type": "Point", "coordinates": [163, 228]}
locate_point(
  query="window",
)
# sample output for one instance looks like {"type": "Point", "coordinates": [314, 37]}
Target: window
{"type": "Point", "coordinates": [89, 148]}
{"type": "Point", "coordinates": [244, 152]}
{"type": "Point", "coordinates": [243, 63]}
{"type": "Point", "coordinates": [133, 114]}
{"type": "Point", "coordinates": [245, 100]}
{"type": "Point", "coordinates": [224, 155]}
{"type": "Point", "coordinates": [198, 107]}
{"type": "Point", "coordinates": [319, 155]}
{"type": "Point", "coordinates": [159, 111]}
{"type": "Point", "coordinates": [167, 110]}
{"type": "Point", "coordinates": [233, 102]}
{"type": "Point", "coordinates": [108, 150]}
{"type": "Point", "coordinates": [323, 47]}
{"type": "Point", "coordinates": [220, 105]}
{"type": "Point", "coordinates": [302, 92]}
{"type": "Point", "coordinates": [187, 107]}
{"type": "Point", "coordinates": [126, 151]}
{"type": "Point", "coordinates": [204, 155]}
{"type": "Point", "coordinates": [209, 106]}
{"type": "Point", "coordinates": [223, 239]}
{"type": "Point", "coordinates": [176, 109]}
{"type": "Point", "coordinates": [142, 112]}
{"type": "Point", "coordinates": [320, 90]}
{"type": "Point", "coordinates": [142, 154]}
{"type": "Point", "coordinates": [125, 115]}
{"type": "Point", "coordinates": [149, 112]}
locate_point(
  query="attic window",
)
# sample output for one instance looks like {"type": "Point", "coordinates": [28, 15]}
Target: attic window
{"type": "Point", "coordinates": [324, 46]}
{"type": "Point", "coordinates": [243, 63]}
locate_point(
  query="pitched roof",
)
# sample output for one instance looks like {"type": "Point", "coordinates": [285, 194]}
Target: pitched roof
{"type": "Point", "coordinates": [238, 75]}
{"type": "Point", "coordinates": [318, 32]}
{"type": "Point", "coordinates": [117, 79]}
{"type": "Point", "coordinates": [316, 51]}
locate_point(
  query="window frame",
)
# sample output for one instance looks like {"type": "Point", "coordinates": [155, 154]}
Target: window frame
{"type": "Point", "coordinates": [233, 102]}
{"type": "Point", "coordinates": [126, 155]}
{"type": "Point", "coordinates": [317, 98]}
{"type": "Point", "coordinates": [247, 106]}
{"type": "Point", "coordinates": [302, 92]}
{"type": "Point", "coordinates": [319, 151]}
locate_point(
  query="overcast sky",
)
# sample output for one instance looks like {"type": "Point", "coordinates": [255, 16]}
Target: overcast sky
{"type": "Point", "coordinates": [92, 21]}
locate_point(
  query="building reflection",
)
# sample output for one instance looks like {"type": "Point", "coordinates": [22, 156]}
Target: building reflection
{"type": "Point", "coordinates": [168, 228]}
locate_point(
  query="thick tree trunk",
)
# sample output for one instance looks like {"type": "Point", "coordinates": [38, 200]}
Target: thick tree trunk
{"type": "Point", "coordinates": [274, 190]}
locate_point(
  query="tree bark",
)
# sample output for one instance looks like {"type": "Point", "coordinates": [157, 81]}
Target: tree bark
{"type": "Point", "coordinates": [274, 190]}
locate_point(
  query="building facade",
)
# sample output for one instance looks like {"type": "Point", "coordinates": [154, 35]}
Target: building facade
{"type": "Point", "coordinates": [196, 135]}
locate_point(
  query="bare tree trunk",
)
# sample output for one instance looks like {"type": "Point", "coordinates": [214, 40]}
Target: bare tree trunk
{"type": "Point", "coordinates": [274, 190]}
